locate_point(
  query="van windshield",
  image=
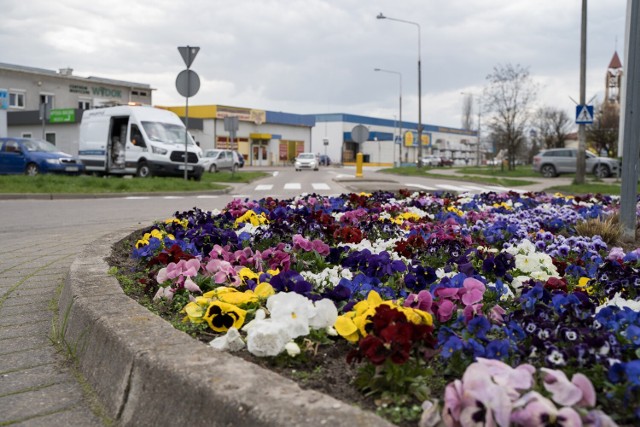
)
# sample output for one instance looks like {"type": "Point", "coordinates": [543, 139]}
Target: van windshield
{"type": "Point", "coordinates": [165, 132]}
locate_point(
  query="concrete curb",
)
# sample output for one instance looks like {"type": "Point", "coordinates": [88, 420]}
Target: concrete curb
{"type": "Point", "coordinates": [146, 373]}
{"type": "Point", "coordinates": [69, 196]}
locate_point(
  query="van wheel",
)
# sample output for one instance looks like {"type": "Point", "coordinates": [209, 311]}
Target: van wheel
{"type": "Point", "coordinates": [32, 169]}
{"type": "Point", "coordinates": [213, 169]}
{"type": "Point", "coordinates": [601, 171]}
{"type": "Point", "coordinates": [144, 171]}
{"type": "Point", "coordinates": [548, 171]}
{"type": "Point", "coordinates": [234, 168]}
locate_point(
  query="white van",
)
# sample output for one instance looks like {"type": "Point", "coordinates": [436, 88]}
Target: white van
{"type": "Point", "coordinates": [137, 140]}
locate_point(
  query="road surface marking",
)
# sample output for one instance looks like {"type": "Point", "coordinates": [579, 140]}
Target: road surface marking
{"type": "Point", "coordinates": [292, 186]}
{"type": "Point", "coordinates": [206, 196]}
{"type": "Point", "coordinates": [320, 186]}
{"type": "Point", "coordinates": [264, 187]}
{"type": "Point", "coordinates": [420, 186]}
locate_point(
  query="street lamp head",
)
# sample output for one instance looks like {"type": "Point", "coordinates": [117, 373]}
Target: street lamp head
{"type": "Point", "coordinates": [381, 16]}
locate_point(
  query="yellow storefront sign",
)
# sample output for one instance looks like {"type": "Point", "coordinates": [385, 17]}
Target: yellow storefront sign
{"type": "Point", "coordinates": [408, 139]}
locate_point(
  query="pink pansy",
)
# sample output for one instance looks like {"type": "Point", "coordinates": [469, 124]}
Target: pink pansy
{"type": "Point", "coordinates": [445, 310]}
{"type": "Point", "coordinates": [535, 408]}
{"type": "Point", "coordinates": [512, 379]}
{"type": "Point", "coordinates": [496, 314]}
{"type": "Point", "coordinates": [452, 403]}
{"type": "Point", "coordinates": [422, 301]}
{"type": "Point", "coordinates": [588, 392]}
{"type": "Point", "coordinates": [478, 384]}
{"type": "Point", "coordinates": [164, 293]}
{"type": "Point", "coordinates": [223, 271]}
{"type": "Point", "coordinates": [472, 291]}
{"type": "Point", "coordinates": [470, 311]}
{"type": "Point", "coordinates": [450, 293]}
{"type": "Point", "coordinates": [615, 254]}
{"type": "Point", "coordinates": [191, 286]}
{"type": "Point", "coordinates": [597, 418]}
{"type": "Point", "coordinates": [301, 242]}
{"type": "Point", "coordinates": [321, 247]}
{"type": "Point", "coordinates": [563, 391]}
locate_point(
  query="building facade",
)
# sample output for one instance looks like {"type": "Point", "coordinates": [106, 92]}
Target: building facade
{"type": "Point", "coordinates": [263, 138]}
{"type": "Point", "coordinates": [48, 104]}
{"type": "Point", "coordinates": [390, 142]}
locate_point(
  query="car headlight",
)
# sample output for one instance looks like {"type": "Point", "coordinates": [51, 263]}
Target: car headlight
{"type": "Point", "coordinates": [53, 161]}
{"type": "Point", "coordinates": [158, 150]}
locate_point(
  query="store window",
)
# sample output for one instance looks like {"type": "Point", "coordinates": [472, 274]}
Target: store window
{"type": "Point", "coordinates": [46, 98]}
{"type": "Point", "coordinates": [27, 135]}
{"type": "Point", "coordinates": [51, 137]}
{"type": "Point", "coordinates": [16, 99]}
{"type": "Point", "coordinates": [84, 104]}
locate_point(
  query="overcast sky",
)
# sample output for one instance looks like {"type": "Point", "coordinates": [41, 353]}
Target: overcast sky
{"type": "Point", "coordinates": [318, 56]}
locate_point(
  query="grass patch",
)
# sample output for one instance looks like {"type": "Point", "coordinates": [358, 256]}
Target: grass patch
{"type": "Point", "coordinates": [21, 184]}
{"type": "Point", "coordinates": [459, 176]}
{"type": "Point", "coordinates": [521, 171]}
{"type": "Point", "coordinates": [592, 187]}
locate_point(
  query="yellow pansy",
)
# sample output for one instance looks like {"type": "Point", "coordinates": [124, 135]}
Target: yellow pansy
{"type": "Point", "coordinates": [264, 290]}
{"type": "Point", "coordinates": [253, 218]}
{"type": "Point", "coordinates": [247, 274]}
{"type": "Point", "coordinates": [455, 210]}
{"type": "Point", "coordinates": [181, 222]}
{"type": "Point", "coordinates": [583, 283]}
{"type": "Point", "coordinates": [194, 312]}
{"type": "Point", "coordinates": [503, 205]}
{"type": "Point", "coordinates": [347, 328]}
{"type": "Point", "coordinates": [221, 316]}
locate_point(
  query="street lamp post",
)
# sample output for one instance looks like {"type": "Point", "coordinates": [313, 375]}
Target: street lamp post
{"type": "Point", "coordinates": [400, 124]}
{"type": "Point", "coordinates": [479, 123]}
{"type": "Point", "coordinates": [381, 16]}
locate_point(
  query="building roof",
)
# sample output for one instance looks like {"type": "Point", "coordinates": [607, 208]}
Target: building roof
{"type": "Point", "coordinates": [615, 61]}
{"type": "Point", "coordinates": [67, 73]}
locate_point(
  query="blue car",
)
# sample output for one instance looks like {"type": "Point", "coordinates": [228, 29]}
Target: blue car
{"type": "Point", "coordinates": [33, 156]}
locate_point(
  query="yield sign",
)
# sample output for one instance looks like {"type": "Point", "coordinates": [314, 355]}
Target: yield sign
{"type": "Point", "coordinates": [188, 54]}
{"type": "Point", "coordinates": [584, 114]}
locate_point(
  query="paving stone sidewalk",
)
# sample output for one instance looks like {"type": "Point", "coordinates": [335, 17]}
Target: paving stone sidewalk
{"type": "Point", "coordinates": [38, 387]}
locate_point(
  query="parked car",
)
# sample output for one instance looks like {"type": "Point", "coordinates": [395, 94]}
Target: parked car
{"type": "Point", "coordinates": [240, 159]}
{"type": "Point", "coordinates": [555, 161]}
{"type": "Point", "coordinates": [34, 156]}
{"type": "Point", "coordinates": [446, 162]}
{"type": "Point", "coordinates": [325, 160]}
{"type": "Point", "coordinates": [307, 161]}
{"type": "Point", "coordinates": [430, 161]}
{"type": "Point", "coordinates": [216, 160]}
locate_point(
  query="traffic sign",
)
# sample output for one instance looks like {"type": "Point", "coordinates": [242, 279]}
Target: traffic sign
{"type": "Point", "coordinates": [359, 133]}
{"type": "Point", "coordinates": [188, 83]}
{"type": "Point", "coordinates": [188, 54]}
{"type": "Point", "coordinates": [584, 114]}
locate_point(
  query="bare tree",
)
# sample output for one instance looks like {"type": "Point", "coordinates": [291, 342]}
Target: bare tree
{"type": "Point", "coordinates": [552, 126]}
{"type": "Point", "coordinates": [508, 98]}
{"type": "Point", "coordinates": [467, 111]}
{"type": "Point", "coordinates": [603, 133]}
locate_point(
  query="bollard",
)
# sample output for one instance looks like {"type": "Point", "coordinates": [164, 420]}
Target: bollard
{"type": "Point", "coordinates": [359, 165]}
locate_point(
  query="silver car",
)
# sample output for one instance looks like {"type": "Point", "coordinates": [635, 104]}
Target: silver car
{"type": "Point", "coordinates": [307, 161]}
{"type": "Point", "coordinates": [215, 160]}
{"type": "Point", "coordinates": [555, 161]}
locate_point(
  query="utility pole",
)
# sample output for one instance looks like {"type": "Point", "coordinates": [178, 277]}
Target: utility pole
{"type": "Point", "coordinates": [582, 135]}
{"type": "Point", "coordinates": [631, 130]}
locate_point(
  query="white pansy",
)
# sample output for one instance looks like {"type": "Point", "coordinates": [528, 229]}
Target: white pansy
{"type": "Point", "coordinates": [292, 308]}
{"type": "Point", "coordinates": [325, 314]}
{"type": "Point", "coordinates": [231, 341]}
{"type": "Point", "coordinates": [292, 349]}
{"type": "Point", "coordinates": [329, 277]}
{"type": "Point", "coordinates": [620, 302]}
{"type": "Point", "coordinates": [268, 337]}
{"type": "Point", "coordinates": [259, 315]}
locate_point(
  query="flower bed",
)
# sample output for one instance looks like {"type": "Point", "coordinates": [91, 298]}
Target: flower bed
{"type": "Point", "coordinates": [457, 310]}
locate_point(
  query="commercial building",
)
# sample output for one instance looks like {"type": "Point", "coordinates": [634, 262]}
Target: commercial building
{"type": "Point", "coordinates": [26, 93]}
{"type": "Point", "coordinates": [390, 142]}
{"type": "Point", "coordinates": [263, 138]}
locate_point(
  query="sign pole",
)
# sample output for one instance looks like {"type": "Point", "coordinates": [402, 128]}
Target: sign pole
{"type": "Point", "coordinates": [187, 87]}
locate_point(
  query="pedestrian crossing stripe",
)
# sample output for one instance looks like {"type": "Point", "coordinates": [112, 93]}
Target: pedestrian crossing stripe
{"type": "Point", "coordinates": [584, 114]}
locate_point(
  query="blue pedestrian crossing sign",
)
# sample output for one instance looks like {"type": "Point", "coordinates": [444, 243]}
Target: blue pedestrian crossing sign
{"type": "Point", "coordinates": [584, 114]}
